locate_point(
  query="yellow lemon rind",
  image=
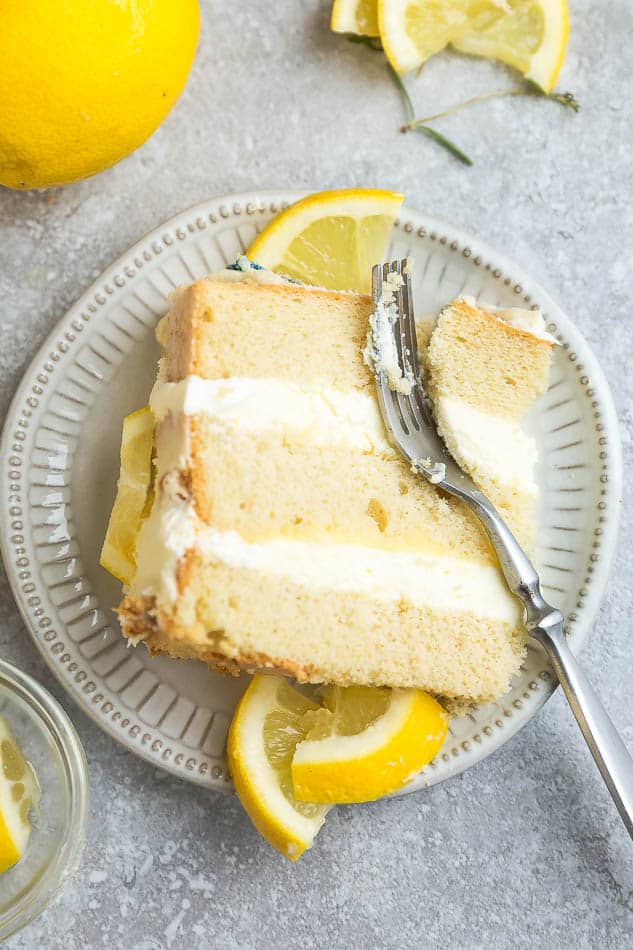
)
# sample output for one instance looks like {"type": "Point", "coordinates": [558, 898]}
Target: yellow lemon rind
{"type": "Point", "coordinates": [268, 247]}
{"type": "Point", "coordinates": [352, 769]}
{"type": "Point", "coordinates": [84, 84]}
{"type": "Point", "coordinates": [262, 799]}
{"type": "Point", "coordinates": [15, 830]}
{"type": "Point", "coordinates": [9, 854]}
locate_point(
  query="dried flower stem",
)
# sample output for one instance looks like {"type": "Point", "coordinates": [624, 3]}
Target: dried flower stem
{"type": "Point", "coordinates": [566, 99]}
{"type": "Point", "coordinates": [420, 125]}
{"type": "Point", "coordinates": [415, 125]}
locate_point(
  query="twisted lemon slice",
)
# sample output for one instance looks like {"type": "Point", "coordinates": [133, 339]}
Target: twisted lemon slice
{"type": "Point", "coordinates": [366, 743]}
{"type": "Point", "coordinates": [287, 753]}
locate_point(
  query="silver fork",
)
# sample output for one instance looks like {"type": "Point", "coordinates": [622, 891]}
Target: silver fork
{"type": "Point", "coordinates": [411, 427]}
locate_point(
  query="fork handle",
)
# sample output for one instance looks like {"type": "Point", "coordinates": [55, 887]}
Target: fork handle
{"type": "Point", "coordinates": [610, 754]}
{"type": "Point", "coordinates": [545, 624]}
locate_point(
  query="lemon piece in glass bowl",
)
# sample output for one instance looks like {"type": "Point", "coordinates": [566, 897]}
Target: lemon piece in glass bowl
{"type": "Point", "coordinates": [19, 792]}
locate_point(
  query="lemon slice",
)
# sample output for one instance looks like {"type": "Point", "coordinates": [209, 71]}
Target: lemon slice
{"type": "Point", "coordinates": [530, 35]}
{"type": "Point", "coordinates": [355, 16]}
{"type": "Point", "coordinates": [268, 723]}
{"type": "Point", "coordinates": [19, 791]}
{"type": "Point", "coordinates": [365, 743]}
{"type": "Point", "coordinates": [330, 239]}
{"type": "Point", "coordinates": [133, 495]}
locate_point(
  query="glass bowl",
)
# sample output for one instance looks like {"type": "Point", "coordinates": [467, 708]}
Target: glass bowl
{"type": "Point", "coordinates": [48, 740]}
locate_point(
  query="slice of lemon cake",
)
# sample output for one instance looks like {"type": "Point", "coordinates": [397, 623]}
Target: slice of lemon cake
{"type": "Point", "coordinates": [286, 533]}
{"type": "Point", "coordinates": [485, 369]}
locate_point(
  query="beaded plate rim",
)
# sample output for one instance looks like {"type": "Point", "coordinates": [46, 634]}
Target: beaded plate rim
{"type": "Point", "coordinates": [64, 338]}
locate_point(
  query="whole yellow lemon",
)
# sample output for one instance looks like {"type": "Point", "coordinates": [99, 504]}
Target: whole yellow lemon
{"type": "Point", "coordinates": [85, 82]}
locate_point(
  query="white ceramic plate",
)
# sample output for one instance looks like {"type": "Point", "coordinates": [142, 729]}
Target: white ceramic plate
{"type": "Point", "coordinates": [59, 460]}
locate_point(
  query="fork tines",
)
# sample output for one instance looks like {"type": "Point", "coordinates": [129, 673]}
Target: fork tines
{"type": "Point", "coordinates": [410, 406]}
{"type": "Point", "coordinates": [392, 286]}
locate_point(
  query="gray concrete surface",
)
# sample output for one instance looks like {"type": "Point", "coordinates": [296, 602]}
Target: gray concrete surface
{"type": "Point", "coordinates": [524, 850]}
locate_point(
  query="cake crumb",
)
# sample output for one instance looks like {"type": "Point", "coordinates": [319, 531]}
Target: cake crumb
{"type": "Point", "coordinates": [434, 471]}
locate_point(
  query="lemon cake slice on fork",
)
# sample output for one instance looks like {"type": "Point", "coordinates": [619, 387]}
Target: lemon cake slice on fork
{"type": "Point", "coordinates": [287, 534]}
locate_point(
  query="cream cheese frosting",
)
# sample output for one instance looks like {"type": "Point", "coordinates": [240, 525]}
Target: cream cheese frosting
{"type": "Point", "coordinates": [348, 418]}
{"type": "Point", "coordinates": [324, 417]}
{"type": "Point", "coordinates": [380, 353]}
{"type": "Point", "coordinates": [171, 527]}
{"type": "Point", "coordinates": [529, 321]}
{"type": "Point", "coordinates": [442, 583]}
{"type": "Point", "coordinates": [482, 442]}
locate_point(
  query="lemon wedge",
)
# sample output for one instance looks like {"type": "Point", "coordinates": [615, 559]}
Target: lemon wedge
{"type": "Point", "coordinates": [18, 792]}
{"type": "Point", "coordinates": [330, 239]}
{"type": "Point", "coordinates": [365, 743]}
{"type": "Point", "coordinates": [268, 723]}
{"type": "Point", "coordinates": [133, 496]}
{"type": "Point", "coordinates": [355, 16]}
{"type": "Point", "coordinates": [530, 35]}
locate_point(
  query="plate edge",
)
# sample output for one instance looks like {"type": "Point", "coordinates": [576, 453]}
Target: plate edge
{"type": "Point", "coordinates": [282, 197]}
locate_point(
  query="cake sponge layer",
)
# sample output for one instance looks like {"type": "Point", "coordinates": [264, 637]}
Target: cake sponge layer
{"type": "Point", "coordinates": [243, 617]}
{"type": "Point", "coordinates": [475, 356]}
{"type": "Point", "coordinates": [217, 330]}
{"type": "Point", "coordinates": [265, 485]}
{"type": "Point", "coordinates": [483, 375]}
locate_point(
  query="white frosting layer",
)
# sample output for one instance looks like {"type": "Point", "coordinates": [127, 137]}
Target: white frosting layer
{"type": "Point", "coordinates": [324, 417]}
{"type": "Point", "coordinates": [443, 584]}
{"type": "Point", "coordinates": [172, 525]}
{"type": "Point", "coordinates": [246, 271]}
{"type": "Point", "coordinates": [257, 275]}
{"type": "Point", "coordinates": [529, 321]}
{"type": "Point", "coordinates": [333, 417]}
{"type": "Point", "coordinates": [165, 535]}
{"type": "Point", "coordinates": [483, 443]}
